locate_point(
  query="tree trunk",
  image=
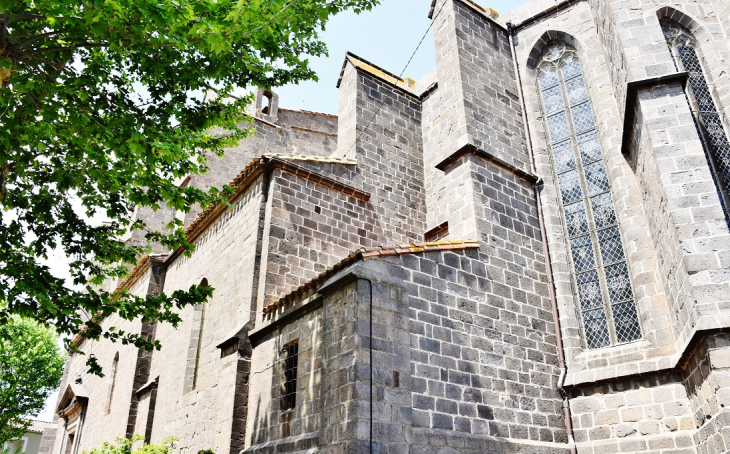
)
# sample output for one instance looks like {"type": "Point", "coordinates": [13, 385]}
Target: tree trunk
{"type": "Point", "coordinates": [4, 170]}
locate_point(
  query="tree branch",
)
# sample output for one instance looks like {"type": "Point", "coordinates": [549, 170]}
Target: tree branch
{"type": "Point", "coordinates": [22, 44]}
{"type": "Point", "coordinates": [21, 16]}
{"type": "Point", "coordinates": [4, 171]}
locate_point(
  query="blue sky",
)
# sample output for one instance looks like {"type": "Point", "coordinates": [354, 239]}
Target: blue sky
{"type": "Point", "coordinates": [386, 36]}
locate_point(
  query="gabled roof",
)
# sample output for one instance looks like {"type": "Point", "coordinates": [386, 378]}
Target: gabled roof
{"type": "Point", "coordinates": [37, 426]}
{"type": "Point", "coordinates": [308, 112]}
{"type": "Point", "coordinates": [137, 272]}
{"type": "Point", "coordinates": [239, 183]}
{"type": "Point", "coordinates": [406, 84]}
{"type": "Point", "coordinates": [256, 167]}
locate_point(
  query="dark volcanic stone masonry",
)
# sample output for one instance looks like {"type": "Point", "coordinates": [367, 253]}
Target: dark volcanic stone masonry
{"type": "Point", "coordinates": [558, 154]}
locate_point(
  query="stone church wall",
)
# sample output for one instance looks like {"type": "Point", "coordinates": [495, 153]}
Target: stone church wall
{"type": "Point", "coordinates": [488, 87]}
{"type": "Point", "coordinates": [290, 132]}
{"type": "Point", "coordinates": [268, 422]}
{"type": "Point", "coordinates": [458, 361]}
{"type": "Point", "coordinates": [650, 189]}
{"type": "Point", "coordinates": [389, 153]}
{"type": "Point", "coordinates": [311, 227]}
{"type": "Point", "coordinates": [454, 350]}
{"type": "Point", "coordinates": [577, 25]}
{"type": "Point", "coordinates": [476, 102]}
{"type": "Point", "coordinates": [707, 380]}
{"type": "Point", "coordinates": [114, 416]}
{"type": "Point", "coordinates": [651, 415]}
{"type": "Point", "coordinates": [225, 255]}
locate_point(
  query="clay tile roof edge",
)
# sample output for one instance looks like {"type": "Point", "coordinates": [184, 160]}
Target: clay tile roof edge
{"type": "Point", "coordinates": [254, 168]}
{"type": "Point", "coordinates": [137, 272]}
{"type": "Point", "coordinates": [308, 112]}
{"type": "Point", "coordinates": [310, 286]}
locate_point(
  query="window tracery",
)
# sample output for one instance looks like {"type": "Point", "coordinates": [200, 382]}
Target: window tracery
{"type": "Point", "coordinates": [708, 120]}
{"type": "Point", "coordinates": [599, 270]}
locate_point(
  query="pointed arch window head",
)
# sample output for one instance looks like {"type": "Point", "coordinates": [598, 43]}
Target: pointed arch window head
{"type": "Point", "coordinates": [709, 121]}
{"type": "Point", "coordinates": [599, 271]}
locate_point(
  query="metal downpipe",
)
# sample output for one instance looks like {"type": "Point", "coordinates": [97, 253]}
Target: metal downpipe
{"type": "Point", "coordinates": [546, 251]}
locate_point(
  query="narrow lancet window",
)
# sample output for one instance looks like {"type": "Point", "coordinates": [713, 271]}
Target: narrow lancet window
{"type": "Point", "coordinates": [708, 120]}
{"type": "Point", "coordinates": [195, 348]}
{"type": "Point", "coordinates": [115, 366]}
{"type": "Point", "coordinates": [199, 346]}
{"type": "Point", "coordinates": [599, 270]}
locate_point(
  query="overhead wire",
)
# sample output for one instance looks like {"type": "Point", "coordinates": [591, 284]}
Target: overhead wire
{"type": "Point", "coordinates": [357, 139]}
{"type": "Point", "coordinates": [400, 76]}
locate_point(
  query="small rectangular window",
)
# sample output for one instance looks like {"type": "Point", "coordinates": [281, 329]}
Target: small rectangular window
{"type": "Point", "coordinates": [437, 233]}
{"type": "Point", "coordinates": [290, 376]}
{"type": "Point", "coordinates": [289, 362]}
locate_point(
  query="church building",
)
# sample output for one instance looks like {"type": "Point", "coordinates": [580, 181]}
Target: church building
{"type": "Point", "coordinates": [526, 251]}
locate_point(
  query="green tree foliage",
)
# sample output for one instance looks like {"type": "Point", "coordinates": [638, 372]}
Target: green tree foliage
{"type": "Point", "coordinates": [126, 446]}
{"type": "Point", "coordinates": [31, 366]}
{"type": "Point", "coordinates": [102, 110]}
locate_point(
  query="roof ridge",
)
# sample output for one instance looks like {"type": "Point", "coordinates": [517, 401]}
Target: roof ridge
{"type": "Point", "coordinates": [302, 157]}
{"type": "Point", "coordinates": [427, 246]}
{"type": "Point", "coordinates": [368, 253]}
{"type": "Point", "coordinates": [252, 167]}
{"type": "Point", "coordinates": [310, 112]}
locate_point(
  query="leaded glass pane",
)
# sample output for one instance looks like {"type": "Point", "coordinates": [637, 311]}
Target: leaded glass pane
{"type": "Point", "coordinates": [576, 90]}
{"type": "Point", "coordinates": [558, 125]}
{"type": "Point", "coordinates": [589, 290]}
{"type": "Point", "coordinates": [589, 148]}
{"type": "Point", "coordinates": [575, 217]}
{"type": "Point", "coordinates": [627, 322]}
{"type": "Point", "coordinates": [604, 290]}
{"type": "Point", "coordinates": [553, 99]}
{"type": "Point", "coordinates": [697, 79]}
{"type": "Point", "coordinates": [603, 212]}
{"type": "Point", "coordinates": [715, 131]}
{"type": "Point", "coordinates": [709, 123]}
{"type": "Point", "coordinates": [582, 117]}
{"type": "Point", "coordinates": [564, 156]}
{"type": "Point", "coordinates": [582, 251]}
{"type": "Point", "coordinates": [548, 78]}
{"type": "Point", "coordinates": [570, 68]}
{"type": "Point", "coordinates": [618, 283]}
{"type": "Point", "coordinates": [596, 329]}
{"type": "Point", "coordinates": [596, 178]}
{"type": "Point", "coordinates": [612, 250]}
{"type": "Point", "coordinates": [570, 187]}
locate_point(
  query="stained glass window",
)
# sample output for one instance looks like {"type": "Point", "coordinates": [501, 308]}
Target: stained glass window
{"type": "Point", "coordinates": [599, 271]}
{"type": "Point", "coordinates": [708, 120]}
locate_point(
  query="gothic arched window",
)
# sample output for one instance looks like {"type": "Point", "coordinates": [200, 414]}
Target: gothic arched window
{"type": "Point", "coordinates": [599, 270]}
{"type": "Point", "coordinates": [708, 120]}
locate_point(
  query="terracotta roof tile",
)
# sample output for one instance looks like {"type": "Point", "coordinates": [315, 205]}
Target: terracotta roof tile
{"type": "Point", "coordinates": [132, 277]}
{"type": "Point", "coordinates": [256, 166]}
{"type": "Point", "coordinates": [308, 112]}
{"type": "Point", "coordinates": [37, 425]}
{"type": "Point", "coordinates": [363, 253]}
{"type": "Point", "coordinates": [238, 183]}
